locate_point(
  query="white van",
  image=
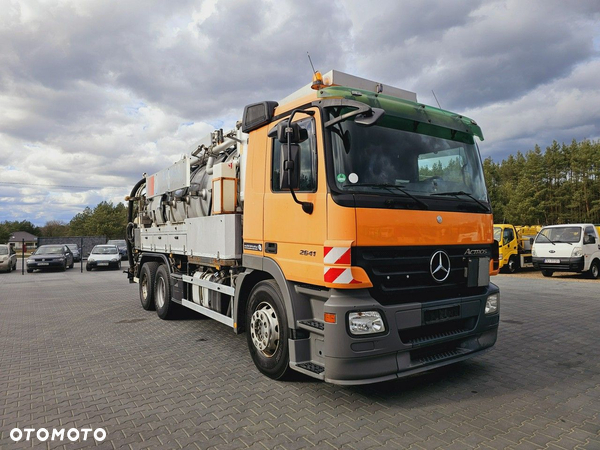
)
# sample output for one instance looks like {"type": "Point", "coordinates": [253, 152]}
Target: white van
{"type": "Point", "coordinates": [567, 248]}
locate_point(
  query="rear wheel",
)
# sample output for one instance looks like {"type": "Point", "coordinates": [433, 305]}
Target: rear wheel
{"type": "Point", "coordinates": [594, 271]}
{"type": "Point", "coordinates": [165, 306]}
{"type": "Point", "coordinates": [547, 273]}
{"type": "Point", "coordinates": [268, 332]}
{"type": "Point", "coordinates": [147, 276]}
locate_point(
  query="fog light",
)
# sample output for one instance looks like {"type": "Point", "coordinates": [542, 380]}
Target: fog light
{"type": "Point", "coordinates": [365, 322]}
{"type": "Point", "coordinates": [492, 303]}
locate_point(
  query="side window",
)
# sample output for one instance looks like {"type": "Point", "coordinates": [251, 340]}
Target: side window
{"type": "Point", "coordinates": [589, 235]}
{"type": "Point", "coordinates": [308, 160]}
{"type": "Point", "coordinates": [508, 235]}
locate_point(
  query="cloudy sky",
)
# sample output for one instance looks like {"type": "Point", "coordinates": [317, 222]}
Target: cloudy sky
{"type": "Point", "coordinates": [95, 92]}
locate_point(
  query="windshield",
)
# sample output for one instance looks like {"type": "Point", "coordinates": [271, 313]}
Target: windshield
{"type": "Point", "coordinates": [498, 234]}
{"type": "Point", "coordinates": [118, 243]}
{"type": "Point", "coordinates": [104, 250]}
{"type": "Point", "coordinates": [568, 235]}
{"type": "Point", "coordinates": [49, 250]}
{"type": "Point", "coordinates": [386, 159]}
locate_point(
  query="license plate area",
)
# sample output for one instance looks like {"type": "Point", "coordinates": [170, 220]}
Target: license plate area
{"type": "Point", "coordinates": [103, 264]}
{"type": "Point", "coordinates": [436, 315]}
{"type": "Point", "coordinates": [43, 264]}
{"type": "Point", "coordinates": [552, 261]}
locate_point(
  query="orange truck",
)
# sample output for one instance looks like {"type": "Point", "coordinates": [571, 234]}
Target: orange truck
{"type": "Point", "coordinates": [346, 229]}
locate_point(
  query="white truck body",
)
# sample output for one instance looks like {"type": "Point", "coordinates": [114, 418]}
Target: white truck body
{"type": "Point", "coordinates": [567, 248]}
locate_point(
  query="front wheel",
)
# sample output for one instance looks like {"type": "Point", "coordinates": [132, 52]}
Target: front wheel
{"type": "Point", "coordinates": [547, 273]}
{"type": "Point", "coordinates": [513, 264]}
{"type": "Point", "coordinates": [268, 333]}
{"type": "Point", "coordinates": [594, 271]}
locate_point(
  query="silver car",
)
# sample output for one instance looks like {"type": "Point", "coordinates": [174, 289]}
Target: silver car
{"type": "Point", "coordinates": [104, 256]}
{"type": "Point", "coordinates": [8, 258]}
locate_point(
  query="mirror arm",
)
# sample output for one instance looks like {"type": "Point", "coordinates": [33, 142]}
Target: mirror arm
{"type": "Point", "coordinates": [307, 207]}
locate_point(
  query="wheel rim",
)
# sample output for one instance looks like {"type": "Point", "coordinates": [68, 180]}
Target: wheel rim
{"type": "Point", "coordinates": [595, 270]}
{"type": "Point", "coordinates": [264, 329]}
{"type": "Point", "coordinates": [145, 287]}
{"type": "Point", "coordinates": [160, 292]}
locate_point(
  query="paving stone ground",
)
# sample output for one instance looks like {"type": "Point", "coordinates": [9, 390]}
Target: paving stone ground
{"type": "Point", "coordinates": [78, 351]}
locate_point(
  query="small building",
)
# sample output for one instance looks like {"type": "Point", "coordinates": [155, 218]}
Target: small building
{"type": "Point", "coordinates": [16, 240]}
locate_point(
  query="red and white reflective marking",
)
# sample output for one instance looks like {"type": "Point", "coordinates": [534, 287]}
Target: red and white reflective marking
{"type": "Point", "coordinates": [339, 275]}
{"type": "Point", "coordinates": [337, 255]}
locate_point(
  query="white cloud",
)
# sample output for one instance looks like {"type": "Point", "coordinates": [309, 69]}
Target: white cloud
{"type": "Point", "coordinates": [94, 93]}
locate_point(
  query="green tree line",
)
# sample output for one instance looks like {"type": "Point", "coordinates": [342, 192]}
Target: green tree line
{"type": "Point", "coordinates": [559, 185]}
{"type": "Point", "coordinates": [105, 219]}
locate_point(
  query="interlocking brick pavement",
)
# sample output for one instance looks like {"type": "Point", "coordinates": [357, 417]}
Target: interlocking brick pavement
{"type": "Point", "coordinates": [77, 350]}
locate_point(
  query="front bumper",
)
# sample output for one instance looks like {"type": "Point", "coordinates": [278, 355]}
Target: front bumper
{"type": "Point", "coordinates": [54, 264]}
{"type": "Point", "coordinates": [560, 264]}
{"type": "Point", "coordinates": [102, 264]}
{"type": "Point", "coordinates": [418, 337]}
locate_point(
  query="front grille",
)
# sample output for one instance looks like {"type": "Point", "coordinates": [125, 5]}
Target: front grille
{"type": "Point", "coordinates": [428, 333]}
{"type": "Point", "coordinates": [402, 274]}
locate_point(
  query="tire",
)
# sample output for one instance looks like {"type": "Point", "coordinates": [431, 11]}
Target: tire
{"type": "Point", "coordinates": [119, 265]}
{"type": "Point", "coordinates": [165, 306]}
{"type": "Point", "coordinates": [29, 270]}
{"type": "Point", "coordinates": [64, 267]}
{"type": "Point", "coordinates": [547, 273]}
{"type": "Point", "coordinates": [10, 267]}
{"type": "Point", "coordinates": [88, 268]}
{"type": "Point", "coordinates": [147, 276]}
{"type": "Point", "coordinates": [513, 264]}
{"type": "Point", "coordinates": [72, 264]}
{"type": "Point", "coordinates": [267, 330]}
{"type": "Point", "coordinates": [594, 271]}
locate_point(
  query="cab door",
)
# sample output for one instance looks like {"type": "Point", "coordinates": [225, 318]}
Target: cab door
{"type": "Point", "coordinates": [292, 237]}
{"type": "Point", "coordinates": [591, 247]}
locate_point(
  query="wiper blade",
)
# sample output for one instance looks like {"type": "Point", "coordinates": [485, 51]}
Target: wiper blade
{"type": "Point", "coordinates": [389, 187]}
{"type": "Point", "coordinates": [549, 240]}
{"type": "Point", "coordinates": [457, 193]}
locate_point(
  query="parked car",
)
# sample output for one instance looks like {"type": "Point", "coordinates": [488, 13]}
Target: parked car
{"type": "Point", "coordinates": [121, 245]}
{"type": "Point", "coordinates": [56, 256]}
{"type": "Point", "coordinates": [8, 258]}
{"type": "Point", "coordinates": [104, 256]}
{"type": "Point", "coordinates": [76, 253]}
{"type": "Point", "coordinates": [568, 248]}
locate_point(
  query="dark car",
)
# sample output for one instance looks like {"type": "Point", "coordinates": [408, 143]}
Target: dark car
{"type": "Point", "coordinates": [50, 257]}
{"type": "Point", "coordinates": [104, 256]}
{"type": "Point", "coordinates": [76, 253]}
{"type": "Point", "coordinates": [121, 245]}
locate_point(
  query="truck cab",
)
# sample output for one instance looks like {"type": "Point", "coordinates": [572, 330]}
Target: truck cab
{"type": "Point", "coordinates": [515, 245]}
{"type": "Point", "coordinates": [568, 248]}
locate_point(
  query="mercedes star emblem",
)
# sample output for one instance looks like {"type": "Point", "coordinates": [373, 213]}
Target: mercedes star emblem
{"type": "Point", "coordinates": [439, 266]}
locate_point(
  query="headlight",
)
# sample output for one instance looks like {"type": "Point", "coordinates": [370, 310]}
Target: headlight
{"type": "Point", "coordinates": [29, 261]}
{"type": "Point", "coordinates": [577, 252]}
{"type": "Point", "coordinates": [114, 260]}
{"type": "Point", "coordinates": [365, 322]}
{"type": "Point", "coordinates": [500, 257]}
{"type": "Point", "coordinates": [90, 259]}
{"type": "Point", "coordinates": [492, 303]}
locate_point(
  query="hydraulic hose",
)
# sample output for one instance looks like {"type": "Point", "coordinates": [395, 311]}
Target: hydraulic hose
{"type": "Point", "coordinates": [131, 226]}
